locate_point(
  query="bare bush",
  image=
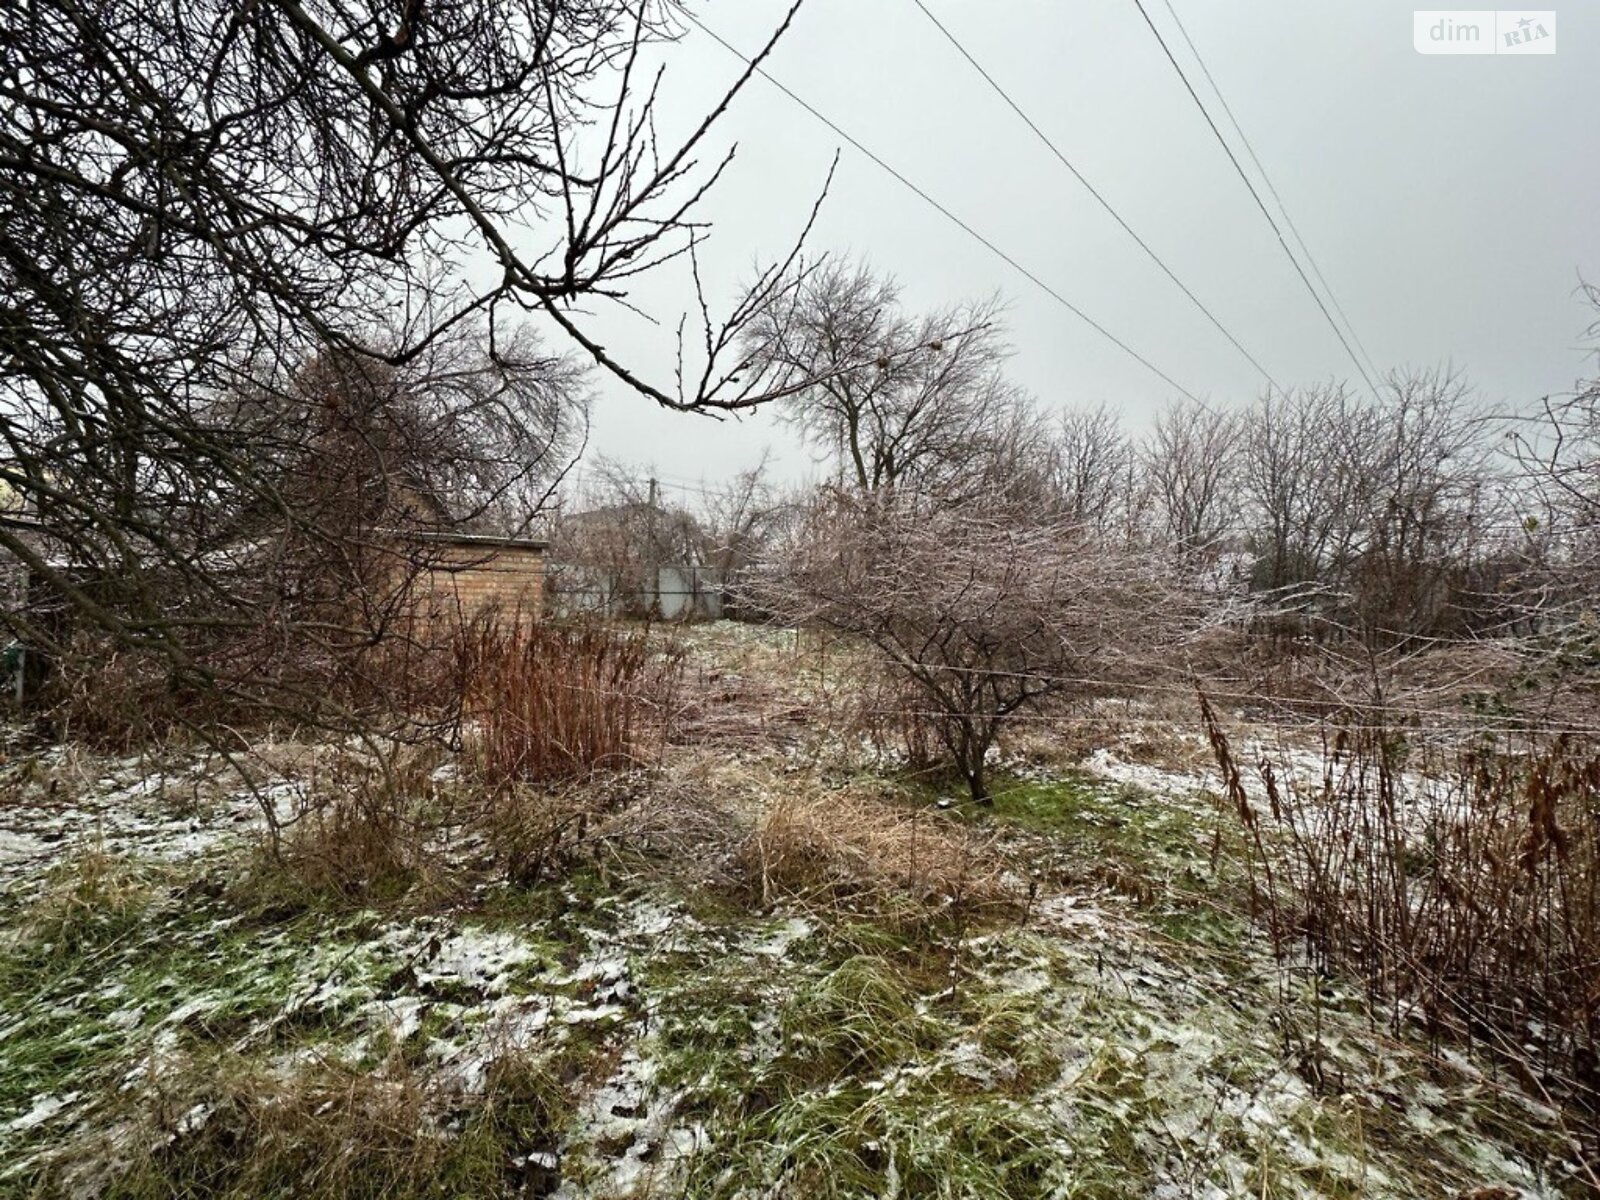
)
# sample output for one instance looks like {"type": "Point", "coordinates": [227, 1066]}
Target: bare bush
{"type": "Point", "coordinates": [534, 833]}
{"type": "Point", "coordinates": [985, 614]}
{"type": "Point", "coordinates": [360, 829]}
{"type": "Point", "coordinates": [683, 818]}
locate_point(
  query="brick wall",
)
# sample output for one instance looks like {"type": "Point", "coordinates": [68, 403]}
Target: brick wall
{"type": "Point", "coordinates": [467, 580]}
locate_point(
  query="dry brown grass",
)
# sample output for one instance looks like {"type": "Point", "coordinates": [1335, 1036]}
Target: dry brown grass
{"type": "Point", "coordinates": [363, 829]}
{"type": "Point", "coordinates": [683, 818]}
{"type": "Point", "coordinates": [230, 1130]}
{"type": "Point", "coordinates": [100, 696]}
{"type": "Point", "coordinates": [853, 850]}
{"type": "Point", "coordinates": [748, 689]}
{"type": "Point", "coordinates": [1158, 731]}
{"type": "Point", "coordinates": [86, 901]}
{"type": "Point", "coordinates": [696, 810]}
{"type": "Point", "coordinates": [535, 832]}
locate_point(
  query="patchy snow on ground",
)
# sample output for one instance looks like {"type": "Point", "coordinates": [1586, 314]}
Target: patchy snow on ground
{"type": "Point", "coordinates": [1084, 1030]}
{"type": "Point", "coordinates": [1176, 784]}
{"type": "Point", "coordinates": [175, 808]}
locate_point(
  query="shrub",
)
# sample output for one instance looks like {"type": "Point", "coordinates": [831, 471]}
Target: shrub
{"type": "Point", "coordinates": [980, 612]}
{"type": "Point", "coordinates": [359, 832]}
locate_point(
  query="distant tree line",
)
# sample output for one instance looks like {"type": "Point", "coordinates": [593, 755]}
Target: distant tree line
{"type": "Point", "coordinates": [1414, 513]}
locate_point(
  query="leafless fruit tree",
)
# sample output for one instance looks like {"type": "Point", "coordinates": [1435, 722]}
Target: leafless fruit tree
{"type": "Point", "coordinates": [899, 400]}
{"type": "Point", "coordinates": [985, 613]}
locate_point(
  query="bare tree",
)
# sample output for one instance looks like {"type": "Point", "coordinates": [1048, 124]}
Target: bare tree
{"type": "Point", "coordinates": [271, 589]}
{"type": "Point", "coordinates": [613, 537]}
{"type": "Point", "coordinates": [463, 435]}
{"type": "Point", "coordinates": [1306, 472]}
{"type": "Point", "coordinates": [618, 532]}
{"type": "Point", "coordinates": [899, 400]}
{"type": "Point", "coordinates": [1558, 451]}
{"type": "Point", "coordinates": [1191, 459]}
{"type": "Point", "coordinates": [199, 198]}
{"type": "Point", "coordinates": [1385, 519]}
{"type": "Point", "coordinates": [740, 518]}
{"type": "Point", "coordinates": [1432, 499]}
{"type": "Point", "coordinates": [1094, 469]}
{"type": "Point", "coordinates": [984, 616]}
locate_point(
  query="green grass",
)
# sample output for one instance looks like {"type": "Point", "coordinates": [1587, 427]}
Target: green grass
{"type": "Point", "coordinates": [1089, 818]}
{"type": "Point", "coordinates": [1178, 861]}
{"type": "Point", "coordinates": [879, 1081]}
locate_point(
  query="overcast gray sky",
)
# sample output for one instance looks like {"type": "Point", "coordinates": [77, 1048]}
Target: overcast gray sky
{"type": "Point", "coordinates": [1451, 201]}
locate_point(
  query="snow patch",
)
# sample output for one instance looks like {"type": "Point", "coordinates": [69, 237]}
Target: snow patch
{"type": "Point", "coordinates": [43, 1109]}
{"type": "Point", "coordinates": [776, 944]}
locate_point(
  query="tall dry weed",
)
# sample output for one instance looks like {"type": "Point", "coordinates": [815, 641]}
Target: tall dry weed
{"type": "Point", "coordinates": [1462, 888]}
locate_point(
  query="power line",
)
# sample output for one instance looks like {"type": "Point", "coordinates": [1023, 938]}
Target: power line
{"type": "Point", "coordinates": [1256, 196]}
{"type": "Point", "coordinates": [1093, 191]}
{"type": "Point", "coordinates": [1273, 191]}
{"type": "Point", "coordinates": [946, 213]}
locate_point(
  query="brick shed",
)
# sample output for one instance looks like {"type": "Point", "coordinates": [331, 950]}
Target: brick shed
{"type": "Point", "coordinates": [467, 573]}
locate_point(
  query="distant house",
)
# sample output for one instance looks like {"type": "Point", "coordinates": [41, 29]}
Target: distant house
{"type": "Point", "coordinates": [442, 570]}
{"type": "Point", "coordinates": [635, 559]}
{"type": "Point", "coordinates": [459, 568]}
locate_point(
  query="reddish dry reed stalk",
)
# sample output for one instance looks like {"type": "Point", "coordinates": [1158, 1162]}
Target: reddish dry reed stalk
{"type": "Point", "coordinates": [544, 702]}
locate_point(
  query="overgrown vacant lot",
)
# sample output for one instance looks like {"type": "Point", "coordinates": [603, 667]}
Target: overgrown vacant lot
{"type": "Point", "coordinates": [765, 962]}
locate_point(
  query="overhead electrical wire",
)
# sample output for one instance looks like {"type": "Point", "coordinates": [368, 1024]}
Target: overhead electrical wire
{"type": "Point", "coordinates": [1093, 191]}
{"type": "Point", "coordinates": [1273, 191]}
{"type": "Point", "coordinates": [945, 212]}
{"type": "Point", "coordinates": [1256, 196]}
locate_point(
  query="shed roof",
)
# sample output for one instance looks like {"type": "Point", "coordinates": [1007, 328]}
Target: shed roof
{"type": "Point", "coordinates": [444, 537]}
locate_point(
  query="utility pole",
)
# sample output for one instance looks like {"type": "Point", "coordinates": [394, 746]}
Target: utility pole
{"type": "Point", "coordinates": [653, 552]}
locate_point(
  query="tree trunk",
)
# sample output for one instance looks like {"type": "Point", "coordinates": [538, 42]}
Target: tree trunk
{"type": "Point", "coordinates": [978, 786]}
{"type": "Point", "coordinates": [970, 746]}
